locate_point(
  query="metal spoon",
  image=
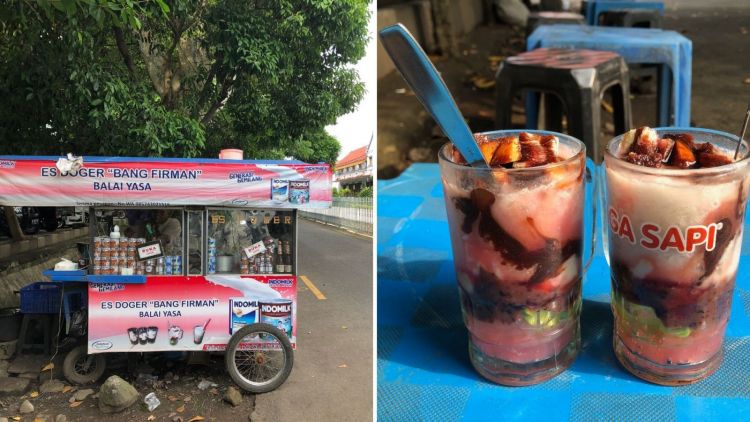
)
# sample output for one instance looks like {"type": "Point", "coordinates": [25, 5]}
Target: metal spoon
{"type": "Point", "coordinates": [413, 64]}
{"type": "Point", "coordinates": [742, 132]}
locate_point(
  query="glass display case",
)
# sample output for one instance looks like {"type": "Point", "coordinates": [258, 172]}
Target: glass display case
{"type": "Point", "coordinates": [195, 241]}
{"type": "Point", "coordinates": [250, 241]}
{"type": "Point", "coordinates": [120, 231]}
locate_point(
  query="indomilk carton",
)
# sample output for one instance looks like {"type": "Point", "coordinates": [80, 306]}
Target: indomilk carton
{"type": "Point", "coordinates": [279, 190]}
{"type": "Point", "coordinates": [277, 313]}
{"type": "Point", "coordinates": [242, 312]}
{"type": "Point", "coordinates": [299, 191]}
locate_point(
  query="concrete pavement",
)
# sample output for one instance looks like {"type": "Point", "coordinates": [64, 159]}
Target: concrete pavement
{"type": "Point", "coordinates": [332, 375]}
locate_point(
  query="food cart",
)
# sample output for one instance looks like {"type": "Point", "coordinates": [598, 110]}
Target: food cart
{"type": "Point", "coordinates": [183, 255]}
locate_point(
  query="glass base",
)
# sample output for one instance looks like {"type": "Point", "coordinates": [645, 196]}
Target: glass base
{"type": "Point", "coordinates": [515, 374]}
{"type": "Point", "coordinates": [670, 375]}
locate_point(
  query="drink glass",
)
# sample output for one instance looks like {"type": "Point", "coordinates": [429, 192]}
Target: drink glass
{"type": "Point", "coordinates": [674, 246]}
{"type": "Point", "coordinates": [151, 334]}
{"type": "Point", "coordinates": [175, 334]}
{"type": "Point", "coordinates": [198, 332]}
{"type": "Point", "coordinates": [133, 335]}
{"type": "Point", "coordinates": [517, 249]}
{"type": "Point", "coordinates": [142, 335]}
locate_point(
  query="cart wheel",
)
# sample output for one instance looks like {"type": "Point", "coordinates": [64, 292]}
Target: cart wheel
{"type": "Point", "coordinates": [259, 370]}
{"type": "Point", "coordinates": [81, 368]}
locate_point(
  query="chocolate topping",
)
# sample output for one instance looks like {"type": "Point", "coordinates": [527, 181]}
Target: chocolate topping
{"type": "Point", "coordinates": [723, 237]}
{"type": "Point", "coordinates": [547, 259]}
{"type": "Point", "coordinates": [644, 147]}
{"type": "Point", "coordinates": [675, 304]}
{"type": "Point", "coordinates": [494, 299]}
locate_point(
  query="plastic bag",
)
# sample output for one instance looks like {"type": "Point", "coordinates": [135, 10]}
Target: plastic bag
{"type": "Point", "coordinates": [78, 323]}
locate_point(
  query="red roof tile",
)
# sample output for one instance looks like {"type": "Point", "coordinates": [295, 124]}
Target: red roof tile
{"type": "Point", "coordinates": [359, 154]}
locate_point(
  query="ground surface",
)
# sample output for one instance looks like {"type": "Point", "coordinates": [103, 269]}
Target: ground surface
{"type": "Point", "coordinates": [332, 375]}
{"type": "Point", "coordinates": [721, 64]}
{"type": "Point", "coordinates": [332, 378]}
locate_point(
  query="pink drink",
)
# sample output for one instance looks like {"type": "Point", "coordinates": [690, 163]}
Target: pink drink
{"type": "Point", "coordinates": [675, 234]}
{"type": "Point", "coordinates": [517, 237]}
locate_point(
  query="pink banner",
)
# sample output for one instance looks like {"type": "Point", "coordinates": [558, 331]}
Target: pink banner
{"type": "Point", "coordinates": [176, 313]}
{"type": "Point", "coordinates": [121, 182]}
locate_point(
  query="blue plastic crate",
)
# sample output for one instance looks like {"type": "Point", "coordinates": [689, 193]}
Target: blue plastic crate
{"type": "Point", "coordinates": [42, 297]}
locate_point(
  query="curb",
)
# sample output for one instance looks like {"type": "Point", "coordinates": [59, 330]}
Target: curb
{"type": "Point", "coordinates": [340, 228]}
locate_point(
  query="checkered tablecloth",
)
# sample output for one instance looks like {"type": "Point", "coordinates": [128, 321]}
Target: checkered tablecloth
{"type": "Point", "coordinates": [423, 367]}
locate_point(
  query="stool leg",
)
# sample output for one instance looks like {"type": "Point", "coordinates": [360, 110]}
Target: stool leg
{"type": "Point", "coordinates": [584, 119]}
{"type": "Point", "coordinates": [503, 98]}
{"type": "Point", "coordinates": [49, 321]}
{"type": "Point", "coordinates": [532, 109]}
{"type": "Point", "coordinates": [681, 81]}
{"type": "Point", "coordinates": [621, 103]}
{"type": "Point", "coordinates": [23, 334]}
{"type": "Point", "coordinates": [553, 112]}
{"type": "Point", "coordinates": [664, 96]}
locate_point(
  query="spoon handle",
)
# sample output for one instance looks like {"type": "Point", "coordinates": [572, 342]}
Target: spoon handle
{"type": "Point", "coordinates": [416, 68]}
{"type": "Point", "coordinates": [742, 132]}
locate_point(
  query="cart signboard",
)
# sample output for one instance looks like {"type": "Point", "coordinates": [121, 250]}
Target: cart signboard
{"type": "Point", "coordinates": [195, 313]}
{"type": "Point", "coordinates": [129, 182]}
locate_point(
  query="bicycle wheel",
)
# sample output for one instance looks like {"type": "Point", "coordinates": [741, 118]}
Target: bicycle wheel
{"type": "Point", "coordinates": [259, 358]}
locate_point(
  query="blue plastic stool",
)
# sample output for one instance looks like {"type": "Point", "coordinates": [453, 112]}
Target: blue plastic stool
{"type": "Point", "coordinates": [593, 7]}
{"type": "Point", "coordinates": [670, 51]}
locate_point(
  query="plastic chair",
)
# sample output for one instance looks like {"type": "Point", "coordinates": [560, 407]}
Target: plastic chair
{"type": "Point", "coordinates": [670, 51]}
{"type": "Point", "coordinates": [47, 323]}
{"type": "Point", "coordinates": [594, 8]}
{"type": "Point", "coordinates": [41, 309]}
{"type": "Point", "coordinates": [577, 80]}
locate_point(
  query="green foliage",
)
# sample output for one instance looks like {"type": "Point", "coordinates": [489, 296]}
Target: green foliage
{"type": "Point", "coordinates": [179, 77]}
{"type": "Point", "coordinates": [317, 147]}
{"type": "Point", "coordinates": [340, 193]}
{"type": "Point", "coordinates": [365, 193]}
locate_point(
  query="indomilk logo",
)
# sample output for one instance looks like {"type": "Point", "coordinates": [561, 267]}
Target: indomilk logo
{"type": "Point", "coordinates": [280, 282]}
{"type": "Point", "coordinates": [242, 303]}
{"type": "Point", "coordinates": [276, 308]}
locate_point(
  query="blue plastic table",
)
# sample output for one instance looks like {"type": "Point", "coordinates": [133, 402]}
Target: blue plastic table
{"type": "Point", "coordinates": [669, 50]}
{"type": "Point", "coordinates": [423, 367]}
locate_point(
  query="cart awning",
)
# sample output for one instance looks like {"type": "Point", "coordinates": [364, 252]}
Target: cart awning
{"type": "Point", "coordinates": [144, 182]}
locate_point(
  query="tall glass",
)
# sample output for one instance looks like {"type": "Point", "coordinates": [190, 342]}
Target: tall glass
{"type": "Point", "coordinates": [517, 248]}
{"type": "Point", "coordinates": [674, 246]}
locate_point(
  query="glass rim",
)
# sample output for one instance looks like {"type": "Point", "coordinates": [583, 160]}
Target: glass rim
{"type": "Point", "coordinates": [728, 168]}
{"type": "Point", "coordinates": [443, 158]}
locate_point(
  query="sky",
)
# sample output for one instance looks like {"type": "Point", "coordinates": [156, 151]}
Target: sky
{"type": "Point", "coordinates": [355, 129]}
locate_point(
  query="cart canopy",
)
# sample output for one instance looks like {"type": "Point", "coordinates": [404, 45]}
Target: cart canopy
{"type": "Point", "coordinates": [147, 182]}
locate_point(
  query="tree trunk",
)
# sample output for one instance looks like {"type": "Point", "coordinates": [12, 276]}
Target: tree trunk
{"type": "Point", "coordinates": [444, 28]}
{"type": "Point", "coordinates": [13, 225]}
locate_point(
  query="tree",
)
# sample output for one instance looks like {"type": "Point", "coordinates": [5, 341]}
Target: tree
{"type": "Point", "coordinates": [178, 77]}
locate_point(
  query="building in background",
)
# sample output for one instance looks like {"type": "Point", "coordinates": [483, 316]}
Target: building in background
{"type": "Point", "coordinates": [354, 171]}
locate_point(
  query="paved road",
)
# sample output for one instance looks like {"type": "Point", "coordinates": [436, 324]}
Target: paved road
{"type": "Point", "coordinates": [319, 389]}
